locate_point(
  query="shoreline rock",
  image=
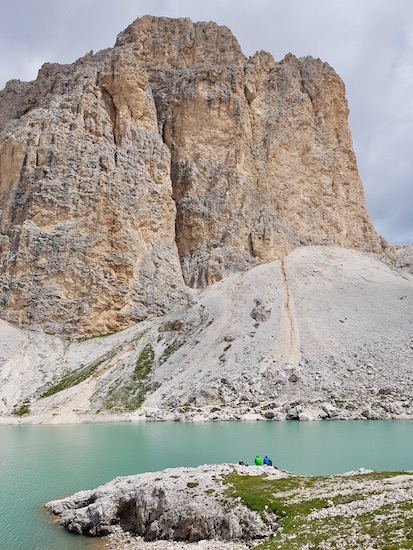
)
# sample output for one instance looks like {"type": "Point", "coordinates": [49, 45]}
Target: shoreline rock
{"type": "Point", "coordinates": [215, 507]}
{"type": "Point", "coordinates": [181, 504]}
{"type": "Point", "coordinates": [288, 412]}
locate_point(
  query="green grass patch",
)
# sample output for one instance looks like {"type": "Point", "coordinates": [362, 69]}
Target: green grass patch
{"type": "Point", "coordinates": [289, 502]}
{"type": "Point", "coordinates": [267, 495]}
{"type": "Point", "coordinates": [144, 364]}
{"type": "Point", "coordinates": [22, 410]}
{"type": "Point", "coordinates": [124, 396]}
{"type": "Point", "coordinates": [77, 376]}
{"type": "Point", "coordinates": [170, 350]}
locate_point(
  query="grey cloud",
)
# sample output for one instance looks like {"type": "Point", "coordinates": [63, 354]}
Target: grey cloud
{"type": "Point", "coordinates": [369, 44]}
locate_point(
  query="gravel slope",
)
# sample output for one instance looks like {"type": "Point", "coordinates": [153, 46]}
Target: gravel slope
{"type": "Point", "coordinates": [325, 333]}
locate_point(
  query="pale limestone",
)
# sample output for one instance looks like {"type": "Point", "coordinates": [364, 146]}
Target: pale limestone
{"type": "Point", "coordinates": [193, 504]}
{"type": "Point", "coordinates": [183, 504]}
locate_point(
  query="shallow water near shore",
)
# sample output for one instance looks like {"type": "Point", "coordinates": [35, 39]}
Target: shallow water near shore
{"type": "Point", "coordinates": [41, 463]}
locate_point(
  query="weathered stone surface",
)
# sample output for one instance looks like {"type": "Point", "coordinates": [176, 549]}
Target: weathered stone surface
{"type": "Point", "coordinates": [404, 256]}
{"type": "Point", "coordinates": [168, 158]}
{"type": "Point", "coordinates": [87, 218]}
{"type": "Point", "coordinates": [287, 176]}
{"type": "Point", "coordinates": [330, 410]}
{"type": "Point", "coordinates": [189, 504]}
{"type": "Point", "coordinates": [341, 510]}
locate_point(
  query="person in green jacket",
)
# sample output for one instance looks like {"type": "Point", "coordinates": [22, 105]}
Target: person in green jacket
{"type": "Point", "coordinates": [258, 461]}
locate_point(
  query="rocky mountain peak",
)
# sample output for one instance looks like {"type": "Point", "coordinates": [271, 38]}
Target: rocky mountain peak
{"type": "Point", "coordinates": [166, 162]}
{"type": "Point", "coordinates": [163, 43]}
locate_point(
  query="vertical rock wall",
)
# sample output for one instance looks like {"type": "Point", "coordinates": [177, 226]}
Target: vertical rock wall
{"type": "Point", "coordinates": [87, 224]}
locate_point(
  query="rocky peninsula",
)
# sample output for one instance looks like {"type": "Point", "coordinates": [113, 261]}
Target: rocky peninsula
{"type": "Point", "coordinates": [239, 506]}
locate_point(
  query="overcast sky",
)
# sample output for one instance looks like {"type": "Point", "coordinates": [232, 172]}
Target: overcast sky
{"type": "Point", "coordinates": [368, 42]}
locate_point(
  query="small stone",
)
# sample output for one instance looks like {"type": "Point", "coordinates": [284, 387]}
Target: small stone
{"type": "Point", "coordinates": [330, 410]}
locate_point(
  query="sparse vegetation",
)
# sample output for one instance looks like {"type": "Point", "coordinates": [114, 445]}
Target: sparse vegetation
{"type": "Point", "coordinates": [94, 336]}
{"type": "Point", "coordinates": [129, 396]}
{"type": "Point", "coordinates": [170, 350]}
{"type": "Point", "coordinates": [22, 410]}
{"type": "Point", "coordinates": [77, 376]}
{"type": "Point", "coordinates": [269, 406]}
{"type": "Point", "coordinates": [144, 363]}
{"type": "Point", "coordinates": [294, 503]}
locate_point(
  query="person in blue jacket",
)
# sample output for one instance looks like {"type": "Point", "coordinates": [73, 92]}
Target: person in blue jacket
{"type": "Point", "coordinates": [267, 461]}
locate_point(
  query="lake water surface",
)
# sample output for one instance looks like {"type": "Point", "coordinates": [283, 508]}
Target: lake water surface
{"type": "Point", "coordinates": [41, 463]}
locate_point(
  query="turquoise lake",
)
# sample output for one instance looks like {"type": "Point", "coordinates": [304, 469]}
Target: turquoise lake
{"type": "Point", "coordinates": [41, 463]}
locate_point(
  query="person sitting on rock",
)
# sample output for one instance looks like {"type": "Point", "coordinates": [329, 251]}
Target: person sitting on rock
{"type": "Point", "coordinates": [267, 461]}
{"type": "Point", "coordinates": [258, 461]}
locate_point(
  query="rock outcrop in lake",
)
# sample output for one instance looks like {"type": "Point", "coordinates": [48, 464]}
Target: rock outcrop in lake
{"type": "Point", "coordinates": [188, 504]}
{"type": "Point", "coordinates": [362, 509]}
{"type": "Point", "coordinates": [183, 235]}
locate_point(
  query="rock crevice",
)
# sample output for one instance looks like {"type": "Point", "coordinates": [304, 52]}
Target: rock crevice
{"type": "Point", "coordinates": [290, 336]}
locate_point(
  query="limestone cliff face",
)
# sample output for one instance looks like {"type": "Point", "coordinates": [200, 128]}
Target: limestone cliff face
{"type": "Point", "coordinates": [87, 223]}
{"type": "Point", "coordinates": [168, 159]}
